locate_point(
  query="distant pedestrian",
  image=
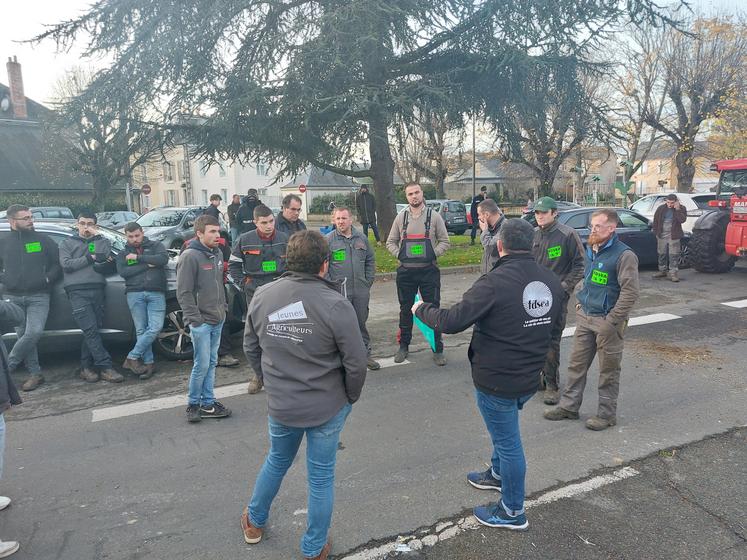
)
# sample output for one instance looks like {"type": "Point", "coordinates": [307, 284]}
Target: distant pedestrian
{"type": "Point", "coordinates": [142, 264]}
{"type": "Point", "coordinates": [11, 316]}
{"type": "Point", "coordinates": [302, 337]}
{"type": "Point", "coordinates": [214, 210]}
{"type": "Point", "coordinates": [289, 221]}
{"type": "Point", "coordinates": [202, 297]}
{"type": "Point", "coordinates": [30, 266]}
{"type": "Point", "coordinates": [491, 219]}
{"type": "Point", "coordinates": [559, 248]}
{"type": "Point", "coordinates": [417, 238]}
{"type": "Point", "coordinates": [245, 214]}
{"type": "Point", "coordinates": [608, 293]}
{"type": "Point", "coordinates": [258, 258]}
{"type": "Point", "coordinates": [513, 308]}
{"type": "Point", "coordinates": [668, 220]}
{"type": "Point", "coordinates": [476, 200]}
{"type": "Point", "coordinates": [232, 209]}
{"type": "Point", "coordinates": [86, 259]}
{"type": "Point", "coordinates": [353, 263]}
{"type": "Point", "coordinates": [366, 207]}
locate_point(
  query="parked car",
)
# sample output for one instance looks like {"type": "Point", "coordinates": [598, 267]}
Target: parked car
{"type": "Point", "coordinates": [562, 205]}
{"type": "Point", "coordinates": [633, 229]}
{"type": "Point", "coordinates": [46, 212]}
{"type": "Point", "coordinates": [117, 219]}
{"type": "Point", "coordinates": [453, 212]}
{"type": "Point", "coordinates": [174, 342]}
{"type": "Point", "coordinates": [401, 207]}
{"type": "Point", "coordinates": [172, 225]}
{"type": "Point", "coordinates": [694, 204]}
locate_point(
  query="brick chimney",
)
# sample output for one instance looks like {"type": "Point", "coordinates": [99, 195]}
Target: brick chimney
{"type": "Point", "coordinates": [15, 83]}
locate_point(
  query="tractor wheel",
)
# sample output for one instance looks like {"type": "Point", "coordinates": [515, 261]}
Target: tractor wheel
{"type": "Point", "coordinates": [707, 251]}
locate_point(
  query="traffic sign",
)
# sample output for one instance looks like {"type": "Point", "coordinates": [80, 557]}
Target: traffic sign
{"type": "Point", "coordinates": [302, 188]}
{"type": "Point", "coordinates": [145, 189]}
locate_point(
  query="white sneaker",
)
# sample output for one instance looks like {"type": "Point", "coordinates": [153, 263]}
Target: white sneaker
{"type": "Point", "coordinates": [4, 502]}
{"type": "Point", "coordinates": [8, 547]}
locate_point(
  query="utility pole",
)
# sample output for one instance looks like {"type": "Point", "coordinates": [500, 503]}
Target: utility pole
{"type": "Point", "coordinates": [474, 161]}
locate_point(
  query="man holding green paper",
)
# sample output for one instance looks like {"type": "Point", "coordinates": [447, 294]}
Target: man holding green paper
{"type": "Point", "coordinates": [258, 258]}
{"type": "Point", "coordinates": [559, 248]}
{"type": "Point", "coordinates": [30, 265]}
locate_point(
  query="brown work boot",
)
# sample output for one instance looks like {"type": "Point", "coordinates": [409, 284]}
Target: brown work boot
{"type": "Point", "coordinates": [598, 424]}
{"type": "Point", "coordinates": [33, 381]}
{"type": "Point", "coordinates": [255, 385]}
{"type": "Point", "coordinates": [323, 555]}
{"type": "Point", "coordinates": [673, 276]}
{"type": "Point", "coordinates": [110, 375]}
{"type": "Point", "coordinates": [551, 396]}
{"type": "Point", "coordinates": [227, 361]}
{"type": "Point", "coordinates": [88, 375]}
{"type": "Point", "coordinates": [252, 534]}
{"type": "Point", "coordinates": [135, 366]}
{"type": "Point", "coordinates": [660, 274]}
{"type": "Point", "coordinates": [150, 369]}
{"type": "Point", "coordinates": [558, 413]}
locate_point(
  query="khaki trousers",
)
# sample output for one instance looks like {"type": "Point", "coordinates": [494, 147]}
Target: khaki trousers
{"type": "Point", "coordinates": [594, 336]}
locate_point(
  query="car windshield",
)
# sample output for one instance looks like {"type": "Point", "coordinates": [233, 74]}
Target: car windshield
{"type": "Point", "coordinates": [456, 207]}
{"type": "Point", "coordinates": [733, 179]}
{"type": "Point", "coordinates": [161, 218]}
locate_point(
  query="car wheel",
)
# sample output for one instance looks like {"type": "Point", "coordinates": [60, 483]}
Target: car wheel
{"type": "Point", "coordinates": [460, 232]}
{"type": "Point", "coordinates": [176, 244]}
{"type": "Point", "coordinates": [684, 255]}
{"type": "Point", "coordinates": [174, 341]}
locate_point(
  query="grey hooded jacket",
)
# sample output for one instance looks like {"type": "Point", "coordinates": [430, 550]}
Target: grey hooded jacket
{"type": "Point", "coordinates": [302, 338]}
{"type": "Point", "coordinates": [84, 262]}
{"type": "Point", "coordinates": [199, 284]}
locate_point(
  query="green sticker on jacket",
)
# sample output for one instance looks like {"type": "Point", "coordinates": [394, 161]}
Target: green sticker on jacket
{"type": "Point", "coordinates": [130, 262]}
{"type": "Point", "coordinates": [91, 247]}
{"type": "Point", "coordinates": [417, 249]}
{"type": "Point", "coordinates": [339, 255]}
{"type": "Point", "coordinates": [35, 247]}
{"type": "Point", "coordinates": [269, 266]}
{"type": "Point", "coordinates": [554, 252]}
{"type": "Point", "coordinates": [599, 277]}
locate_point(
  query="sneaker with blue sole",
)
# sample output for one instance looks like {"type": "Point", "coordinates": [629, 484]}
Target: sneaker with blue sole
{"type": "Point", "coordinates": [495, 516]}
{"type": "Point", "coordinates": [484, 480]}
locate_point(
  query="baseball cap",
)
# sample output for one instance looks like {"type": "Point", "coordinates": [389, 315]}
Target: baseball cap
{"type": "Point", "coordinates": [545, 204]}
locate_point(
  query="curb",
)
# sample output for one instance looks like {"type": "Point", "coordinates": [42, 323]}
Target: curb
{"type": "Point", "coordinates": [465, 269]}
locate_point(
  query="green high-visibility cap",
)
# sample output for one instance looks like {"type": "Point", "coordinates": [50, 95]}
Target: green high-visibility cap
{"type": "Point", "coordinates": [545, 204]}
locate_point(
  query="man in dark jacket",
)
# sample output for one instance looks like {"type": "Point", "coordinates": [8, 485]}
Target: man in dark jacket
{"type": "Point", "coordinates": [668, 220]}
{"type": "Point", "coordinates": [200, 292]}
{"type": "Point", "coordinates": [245, 214]}
{"type": "Point", "coordinates": [476, 200]}
{"type": "Point", "coordinates": [258, 258]}
{"type": "Point", "coordinates": [232, 209]}
{"type": "Point", "coordinates": [559, 248]}
{"type": "Point", "coordinates": [513, 308]}
{"type": "Point", "coordinates": [86, 259]}
{"type": "Point", "coordinates": [289, 221]}
{"type": "Point", "coordinates": [366, 207]}
{"type": "Point", "coordinates": [142, 264]}
{"type": "Point", "coordinates": [214, 210]}
{"type": "Point", "coordinates": [10, 316]}
{"type": "Point", "coordinates": [30, 265]}
{"type": "Point", "coordinates": [302, 338]}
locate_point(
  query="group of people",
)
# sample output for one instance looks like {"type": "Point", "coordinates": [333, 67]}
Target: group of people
{"type": "Point", "coordinates": [306, 339]}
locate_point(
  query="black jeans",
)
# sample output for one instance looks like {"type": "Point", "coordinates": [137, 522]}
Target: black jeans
{"type": "Point", "coordinates": [550, 370]}
{"type": "Point", "coordinates": [409, 281]}
{"type": "Point", "coordinates": [88, 312]}
{"type": "Point", "coordinates": [475, 225]}
{"type": "Point", "coordinates": [375, 229]}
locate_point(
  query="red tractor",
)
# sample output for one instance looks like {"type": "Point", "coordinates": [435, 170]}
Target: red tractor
{"type": "Point", "coordinates": [720, 235]}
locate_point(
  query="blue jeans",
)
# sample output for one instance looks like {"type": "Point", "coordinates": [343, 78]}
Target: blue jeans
{"type": "Point", "coordinates": [2, 442]}
{"type": "Point", "coordinates": [502, 420]}
{"type": "Point", "coordinates": [321, 454]}
{"type": "Point", "coordinates": [235, 234]}
{"type": "Point", "coordinates": [36, 307]}
{"type": "Point", "coordinates": [205, 340]}
{"type": "Point", "coordinates": [148, 311]}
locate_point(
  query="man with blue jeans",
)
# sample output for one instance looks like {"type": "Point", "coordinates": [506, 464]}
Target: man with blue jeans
{"type": "Point", "coordinates": [513, 308]}
{"type": "Point", "coordinates": [142, 264]}
{"type": "Point", "coordinates": [302, 339]}
{"type": "Point", "coordinates": [200, 292]}
{"type": "Point", "coordinates": [29, 267]}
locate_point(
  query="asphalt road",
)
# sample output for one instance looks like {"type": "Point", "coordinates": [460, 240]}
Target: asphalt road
{"type": "Point", "coordinates": [152, 486]}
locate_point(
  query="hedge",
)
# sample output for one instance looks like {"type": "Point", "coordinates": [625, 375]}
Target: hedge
{"type": "Point", "coordinates": [75, 201]}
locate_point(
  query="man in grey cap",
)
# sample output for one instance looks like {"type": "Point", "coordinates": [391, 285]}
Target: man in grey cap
{"type": "Point", "coordinates": [559, 248]}
{"type": "Point", "coordinates": [668, 220]}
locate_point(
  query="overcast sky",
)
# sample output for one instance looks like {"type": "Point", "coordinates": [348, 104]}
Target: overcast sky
{"type": "Point", "coordinates": [42, 66]}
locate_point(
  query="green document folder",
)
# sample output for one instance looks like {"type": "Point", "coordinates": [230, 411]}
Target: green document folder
{"type": "Point", "coordinates": [428, 332]}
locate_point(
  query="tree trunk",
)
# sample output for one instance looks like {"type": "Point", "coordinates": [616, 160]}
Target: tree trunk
{"type": "Point", "coordinates": [547, 177]}
{"type": "Point", "coordinates": [100, 190]}
{"type": "Point", "coordinates": [382, 171]}
{"type": "Point", "coordinates": [685, 163]}
{"type": "Point", "coordinates": [440, 176]}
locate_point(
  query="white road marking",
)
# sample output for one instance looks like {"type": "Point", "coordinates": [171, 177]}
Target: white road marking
{"type": "Point", "coordinates": [176, 401]}
{"type": "Point", "coordinates": [635, 321]}
{"type": "Point", "coordinates": [449, 531]}
{"type": "Point", "coordinates": [739, 304]}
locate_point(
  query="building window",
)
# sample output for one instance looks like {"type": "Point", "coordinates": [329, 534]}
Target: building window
{"type": "Point", "coordinates": [203, 170]}
{"type": "Point", "coordinates": [224, 194]}
{"type": "Point", "coordinates": [262, 170]}
{"type": "Point", "coordinates": [143, 174]}
{"type": "Point", "coordinates": [171, 198]}
{"type": "Point", "coordinates": [221, 171]}
{"type": "Point", "coordinates": [204, 197]}
{"type": "Point", "coordinates": [262, 192]}
{"type": "Point", "coordinates": [168, 172]}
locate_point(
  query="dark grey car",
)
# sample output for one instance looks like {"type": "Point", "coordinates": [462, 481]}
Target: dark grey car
{"type": "Point", "coordinates": [174, 342]}
{"type": "Point", "coordinates": [173, 225]}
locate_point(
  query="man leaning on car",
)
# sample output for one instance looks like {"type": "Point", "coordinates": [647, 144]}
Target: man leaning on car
{"type": "Point", "coordinates": [30, 265]}
{"type": "Point", "coordinates": [86, 258]}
